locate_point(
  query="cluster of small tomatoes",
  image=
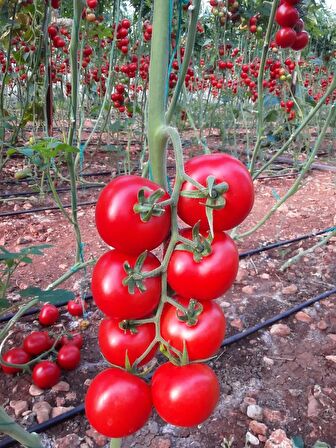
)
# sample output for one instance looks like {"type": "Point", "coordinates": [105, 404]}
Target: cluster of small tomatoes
{"type": "Point", "coordinates": [225, 11]}
{"type": "Point", "coordinates": [135, 216]}
{"type": "Point", "coordinates": [62, 352]}
{"type": "Point", "coordinates": [291, 33]}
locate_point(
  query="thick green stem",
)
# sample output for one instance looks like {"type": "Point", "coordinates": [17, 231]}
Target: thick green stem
{"type": "Point", "coordinates": [158, 74]}
{"type": "Point", "coordinates": [9, 427]}
{"type": "Point", "coordinates": [260, 121]}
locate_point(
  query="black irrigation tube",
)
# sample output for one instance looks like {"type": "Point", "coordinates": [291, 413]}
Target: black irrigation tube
{"type": "Point", "coordinates": [59, 190]}
{"type": "Point", "coordinates": [29, 179]}
{"type": "Point", "coordinates": [80, 409]}
{"type": "Point", "coordinates": [43, 209]}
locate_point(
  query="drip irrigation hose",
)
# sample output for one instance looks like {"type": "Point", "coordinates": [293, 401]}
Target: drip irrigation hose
{"type": "Point", "coordinates": [43, 209]}
{"type": "Point", "coordinates": [242, 255]}
{"type": "Point", "coordinates": [80, 409]}
{"type": "Point", "coordinates": [35, 193]}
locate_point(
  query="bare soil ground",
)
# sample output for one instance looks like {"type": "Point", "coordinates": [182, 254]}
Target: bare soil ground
{"type": "Point", "coordinates": [290, 372]}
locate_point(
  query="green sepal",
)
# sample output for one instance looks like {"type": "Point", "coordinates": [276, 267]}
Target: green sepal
{"type": "Point", "coordinates": [133, 279]}
{"type": "Point", "coordinates": [190, 317]}
{"type": "Point", "coordinates": [185, 356]}
{"type": "Point", "coordinates": [200, 246]}
{"type": "Point", "coordinates": [127, 325]}
{"type": "Point", "coordinates": [148, 206]}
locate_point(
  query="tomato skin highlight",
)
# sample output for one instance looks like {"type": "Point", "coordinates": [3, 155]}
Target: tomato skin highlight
{"type": "Point", "coordinates": [114, 342]}
{"type": "Point", "coordinates": [185, 395]}
{"type": "Point", "coordinates": [211, 277]}
{"type": "Point", "coordinates": [117, 403]}
{"type": "Point", "coordinates": [37, 342]}
{"type": "Point", "coordinates": [46, 374]}
{"type": "Point", "coordinates": [202, 340]}
{"type": "Point", "coordinates": [239, 197]}
{"type": "Point", "coordinates": [16, 355]}
{"type": "Point", "coordinates": [120, 226]}
{"type": "Point", "coordinates": [113, 298]}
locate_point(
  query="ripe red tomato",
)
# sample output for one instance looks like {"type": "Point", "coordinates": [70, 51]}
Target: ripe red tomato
{"type": "Point", "coordinates": [72, 339]}
{"type": "Point", "coordinates": [113, 298]}
{"type": "Point", "coordinates": [285, 37]}
{"type": "Point", "coordinates": [202, 339]}
{"type": "Point", "coordinates": [68, 357]}
{"type": "Point", "coordinates": [46, 374]}
{"type": "Point", "coordinates": [114, 342]}
{"type": "Point", "coordinates": [92, 3]}
{"type": "Point", "coordinates": [75, 307]}
{"type": "Point", "coordinates": [117, 403]}
{"type": "Point", "coordinates": [239, 197]}
{"type": "Point", "coordinates": [15, 355]}
{"type": "Point", "coordinates": [48, 315]}
{"type": "Point", "coordinates": [185, 395]}
{"type": "Point", "coordinates": [301, 41]}
{"type": "Point", "coordinates": [37, 342]}
{"type": "Point", "coordinates": [286, 15]}
{"type": "Point", "coordinates": [120, 226]}
{"type": "Point", "coordinates": [209, 278]}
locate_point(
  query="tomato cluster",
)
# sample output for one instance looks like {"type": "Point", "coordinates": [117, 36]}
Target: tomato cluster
{"type": "Point", "coordinates": [291, 33]}
{"type": "Point", "coordinates": [135, 216]}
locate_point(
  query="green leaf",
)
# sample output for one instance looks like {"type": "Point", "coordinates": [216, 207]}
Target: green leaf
{"type": "Point", "coordinates": [272, 116]}
{"type": "Point", "coordinates": [320, 444]}
{"type": "Point", "coordinates": [4, 303]}
{"type": "Point", "coordinates": [55, 296]}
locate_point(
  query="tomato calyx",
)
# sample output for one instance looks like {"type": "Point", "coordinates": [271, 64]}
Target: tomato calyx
{"type": "Point", "coordinates": [200, 246]}
{"type": "Point", "coordinates": [213, 193]}
{"type": "Point", "coordinates": [190, 316]}
{"type": "Point", "coordinates": [128, 325]}
{"type": "Point", "coordinates": [148, 206]}
{"type": "Point", "coordinates": [134, 277]}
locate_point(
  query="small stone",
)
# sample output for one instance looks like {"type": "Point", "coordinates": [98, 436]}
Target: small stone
{"type": "Point", "coordinates": [280, 330]}
{"type": "Point", "coordinates": [268, 361]}
{"type": "Point", "coordinates": [322, 325]}
{"type": "Point", "coordinates": [237, 323]}
{"type": "Point", "coordinates": [153, 427]}
{"type": "Point", "coordinates": [278, 439]}
{"type": "Point", "coordinates": [225, 304]}
{"type": "Point", "coordinates": [25, 239]}
{"type": "Point", "coordinates": [62, 386]}
{"type": "Point", "coordinates": [160, 442]}
{"type": "Point", "coordinates": [87, 382]}
{"type": "Point", "coordinates": [331, 358]}
{"type": "Point", "coordinates": [258, 428]}
{"type": "Point", "coordinates": [251, 439]}
{"type": "Point", "coordinates": [60, 401]}
{"type": "Point", "coordinates": [265, 276]}
{"type": "Point", "coordinates": [295, 392]}
{"type": "Point", "coordinates": [290, 289]}
{"type": "Point", "coordinates": [262, 438]}
{"type": "Point", "coordinates": [303, 317]}
{"type": "Point", "coordinates": [42, 410]}
{"type": "Point", "coordinates": [272, 415]}
{"type": "Point", "coordinates": [35, 391]}
{"type": "Point", "coordinates": [58, 410]}
{"type": "Point", "coordinates": [332, 336]}
{"type": "Point", "coordinates": [19, 406]}
{"type": "Point", "coordinates": [69, 441]}
{"type": "Point", "coordinates": [71, 396]}
{"type": "Point", "coordinates": [27, 206]}
{"type": "Point", "coordinates": [255, 412]}
{"type": "Point", "coordinates": [248, 289]}
{"type": "Point", "coordinates": [99, 439]}
{"type": "Point", "coordinates": [242, 273]}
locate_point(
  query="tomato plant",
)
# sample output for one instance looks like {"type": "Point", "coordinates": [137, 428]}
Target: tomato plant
{"type": "Point", "coordinates": [46, 374]}
{"type": "Point", "coordinates": [117, 403]}
{"type": "Point", "coordinates": [114, 297]}
{"type": "Point", "coordinates": [185, 395]}
{"type": "Point", "coordinates": [117, 338]}
{"type": "Point", "coordinates": [125, 210]}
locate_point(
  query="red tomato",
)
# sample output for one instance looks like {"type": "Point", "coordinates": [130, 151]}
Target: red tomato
{"type": "Point", "coordinates": [186, 395]}
{"type": "Point", "coordinates": [15, 356]}
{"type": "Point", "coordinates": [209, 278]}
{"type": "Point", "coordinates": [37, 342]}
{"type": "Point", "coordinates": [72, 339]}
{"type": "Point", "coordinates": [48, 315]}
{"type": "Point", "coordinates": [117, 403]}
{"type": "Point", "coordinates": [120, 226]}
{"type": "Point", "coordinates": [202, 339]}
{"type": "Point", "coordinates": [68, 357]}
{"type": "Point", "coordinates": [301, 41]}
{"type": "Point", "coordinates": [285, 37]}
{"type": "Point", "coordinates": [239, 197]}
{"type": "Point", "coordinates": [113, 298]}
{"type": "Point", "coordinates": [46, 374]}
{"type": "Point", "coordinates": [286, 15]}
{"type": "Point", "coordinates": [114, 342]}
{"type": "Point", "coordinates": [75, 307]}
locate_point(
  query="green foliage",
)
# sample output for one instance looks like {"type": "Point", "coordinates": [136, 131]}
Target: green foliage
{"type": "Point", "coordinates": [54, 296]}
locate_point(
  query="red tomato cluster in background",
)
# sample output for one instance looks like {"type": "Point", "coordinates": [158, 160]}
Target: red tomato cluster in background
{"type": "Point", "coordinates": [291, 33]}
{"type": "Point", "coordinates": [129, 218]}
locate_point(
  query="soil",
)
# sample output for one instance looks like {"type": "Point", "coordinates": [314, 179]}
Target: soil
{"type": "Point", "coordinates": [291, 377]}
